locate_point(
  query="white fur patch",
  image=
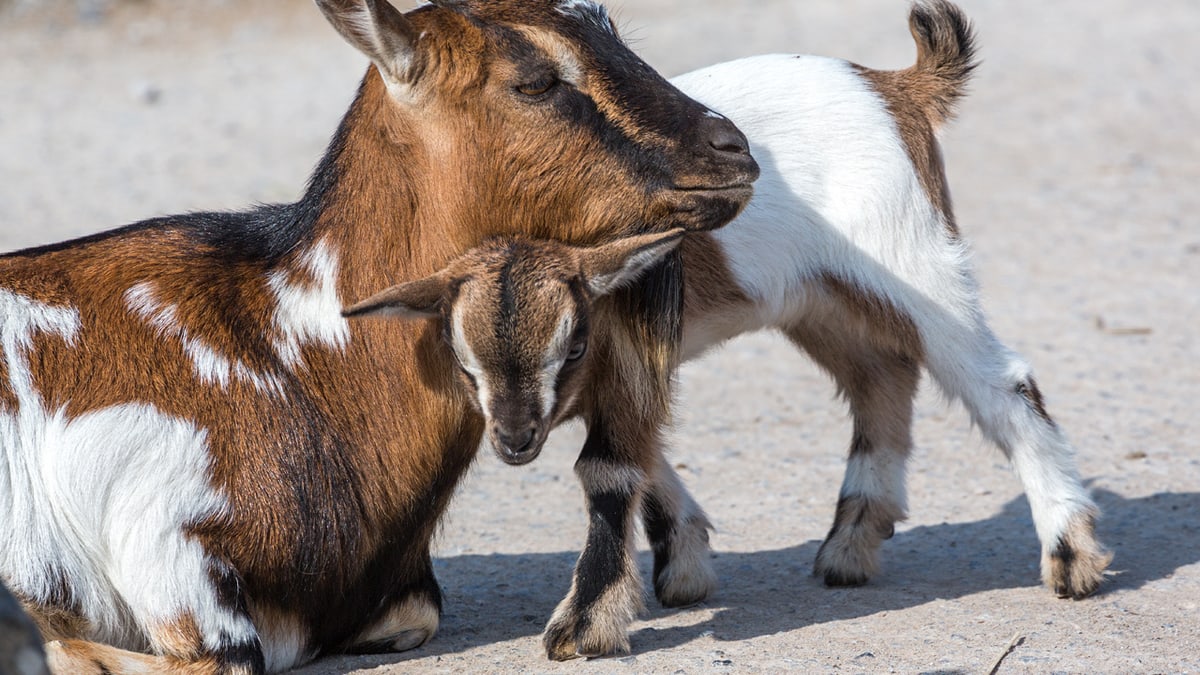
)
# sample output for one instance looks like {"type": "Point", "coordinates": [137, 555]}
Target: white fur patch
{"type": "Point", "coordinates": [470, 362]}
{"type": "Point", "coordinates": [309, 312]}
{"type": "Point", "coordinates": [103, 500]}
{"type": "Point", "coordinates": [284, 638]}
{"type": "Point", "coordinates": [556, 355]}
{"type": "Point", "coordinates": [586, 10]}
{"type": "Point", "coordinates": [20, 318]}
{"type": "Point", "coordinates": [407, 625]}
{"type": "Point", "coordinates": [878, 475]}
{"type": "Point", "coordinates": [210, 366]}
{"type": "Point", "coordinates": [838, 194]}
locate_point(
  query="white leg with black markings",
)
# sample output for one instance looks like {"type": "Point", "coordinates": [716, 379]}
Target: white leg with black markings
{"type": "Point", "coordinates": [997, 387]}
{"type": "Point", "coordinates": [879, 382]}
{"type": "Point", "coordinates": [678, 532]}
{"type": "Point", "coordinates": [606, 591]}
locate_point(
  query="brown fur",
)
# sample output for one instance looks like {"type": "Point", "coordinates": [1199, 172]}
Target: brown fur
{"type": "Point", "coordinates": [1076, 567]}
{"type": "Point", "coordinates": [710, 290]}
{"type": "Point", "coordinates": [875, 320]}
{"type": "Point", "coordinates": [92, 658]}
{"type": "Point", "coordinates": [353, 465]}
{"type": "Point", "coordinates": [922, 98]}
{"type": "Point", "coordinates": [180, 638]}
{"type": "Point", "coordinates": [873, 353]}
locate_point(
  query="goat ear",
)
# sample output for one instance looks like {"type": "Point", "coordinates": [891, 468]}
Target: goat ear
{"type": "Point", "coordinates": [420, 299]}
{"type": "Point", "coordinates": [608, 267]}
{"type": "Point", "coordinates": [380, 31]}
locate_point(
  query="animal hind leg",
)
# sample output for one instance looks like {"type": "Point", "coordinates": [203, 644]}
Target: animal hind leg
{"type": "Point", "coordinates": [79, 657]}
{"type": "Point", "coordinates": [179, 646]}
{"type": "Point", "coordinates": [998, 389]}
{"type": "Point", "coordinates": [880, 384]}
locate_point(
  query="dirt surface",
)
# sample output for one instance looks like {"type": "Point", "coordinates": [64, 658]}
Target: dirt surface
{"type": "Point", "coordinates": [1074, 164]}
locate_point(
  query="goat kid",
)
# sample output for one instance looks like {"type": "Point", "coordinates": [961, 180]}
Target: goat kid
{"type": "Point", "coordinates": [520, 316]}
{"type": "Point", "coordinates": [205, 468]}
{"type": "Point", "coordinates": [850, 248]}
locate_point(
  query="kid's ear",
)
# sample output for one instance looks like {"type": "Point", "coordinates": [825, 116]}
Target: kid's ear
{"type": "Point", "coordinates": [420, 299]}
{"type": "Point", "coordinates": [378, 30]}
{"type": "Point", "coordinates": [611, 266]}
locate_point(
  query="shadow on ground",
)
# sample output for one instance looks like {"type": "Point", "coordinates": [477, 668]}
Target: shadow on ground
{"type": "Point", "coordinates": [496, 598]}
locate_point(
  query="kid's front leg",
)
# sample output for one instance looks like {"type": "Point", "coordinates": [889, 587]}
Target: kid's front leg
{"type": "Point", "coordinates": [606, 590]}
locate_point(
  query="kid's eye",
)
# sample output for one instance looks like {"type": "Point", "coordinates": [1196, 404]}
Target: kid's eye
{"type": "Point", "coordinates": [577, 351]}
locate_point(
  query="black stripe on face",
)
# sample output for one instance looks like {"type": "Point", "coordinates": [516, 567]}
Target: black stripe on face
{"type": "Point", "coordinates": [517, 397]}
{"type": "Point", "coordinates": [647, 100]}
{"type": "Point", "coordinates": [628, 92]}
{"type": "Point", "coordinates": [506, 325]}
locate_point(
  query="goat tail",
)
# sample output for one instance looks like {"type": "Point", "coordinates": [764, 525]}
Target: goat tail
{"type": "Point", "coordinates": [945, 56]}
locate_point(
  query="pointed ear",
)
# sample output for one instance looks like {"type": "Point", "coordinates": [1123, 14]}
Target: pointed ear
{"type": "Point", "coordinates": [380, 31]}
{"type": "Point", "coordinates": [420, 299]}
{"type": "Point", "coordinates": [608, 267]}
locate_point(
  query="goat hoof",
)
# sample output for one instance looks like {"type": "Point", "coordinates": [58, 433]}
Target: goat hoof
{"type": "Point", "coordinates": [845, 565]}
{"type": "Point", "coordinates": [410, 639]}
{"type": "Point", "coordinates": [836, 579]}
{"type": "Point", "coordinates": [565, 640]}
{"type": "Point", "coordinates": [559, 641]}
{"type": "Point", "coordinates": [1074, 568]}
{"type": "Point", "coordinates": [683, 586]}
{"type": "Point", "coordinates": [677, 600]}
{"type": "Point", "coordinates": [1075, 573]}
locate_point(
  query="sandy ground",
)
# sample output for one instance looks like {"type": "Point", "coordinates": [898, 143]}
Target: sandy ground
{"type": "Point", "coordinates": [1075, 166]}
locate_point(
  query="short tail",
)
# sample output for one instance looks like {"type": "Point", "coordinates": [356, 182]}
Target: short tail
{"type": "Point", "coordinates": [945, 56]}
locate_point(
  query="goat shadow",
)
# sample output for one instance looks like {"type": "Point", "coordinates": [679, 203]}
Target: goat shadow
{"type": "Point", "coordinates": [501, 597]}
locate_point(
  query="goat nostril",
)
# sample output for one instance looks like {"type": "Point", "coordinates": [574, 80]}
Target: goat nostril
{"type": "Point", "coordinates": [727, 138]}
{"type": "Point", "coordinates": [516, 441]}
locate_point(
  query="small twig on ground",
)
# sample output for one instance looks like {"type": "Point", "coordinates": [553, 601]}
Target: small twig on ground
{"type": "Point", "coordinates": [1015, 642]}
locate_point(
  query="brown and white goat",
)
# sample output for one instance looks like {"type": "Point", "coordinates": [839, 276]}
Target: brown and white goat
{"type": "Point", "coordinates": [205, 468]}
{"type": "Point", "coordinates": [849, 247]}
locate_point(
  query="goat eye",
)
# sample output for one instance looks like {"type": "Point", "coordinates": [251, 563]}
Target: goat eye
{"type": "Point", "coordinates": [577, 351]}
{"type": "Point", "coordinates": [538, 87]}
